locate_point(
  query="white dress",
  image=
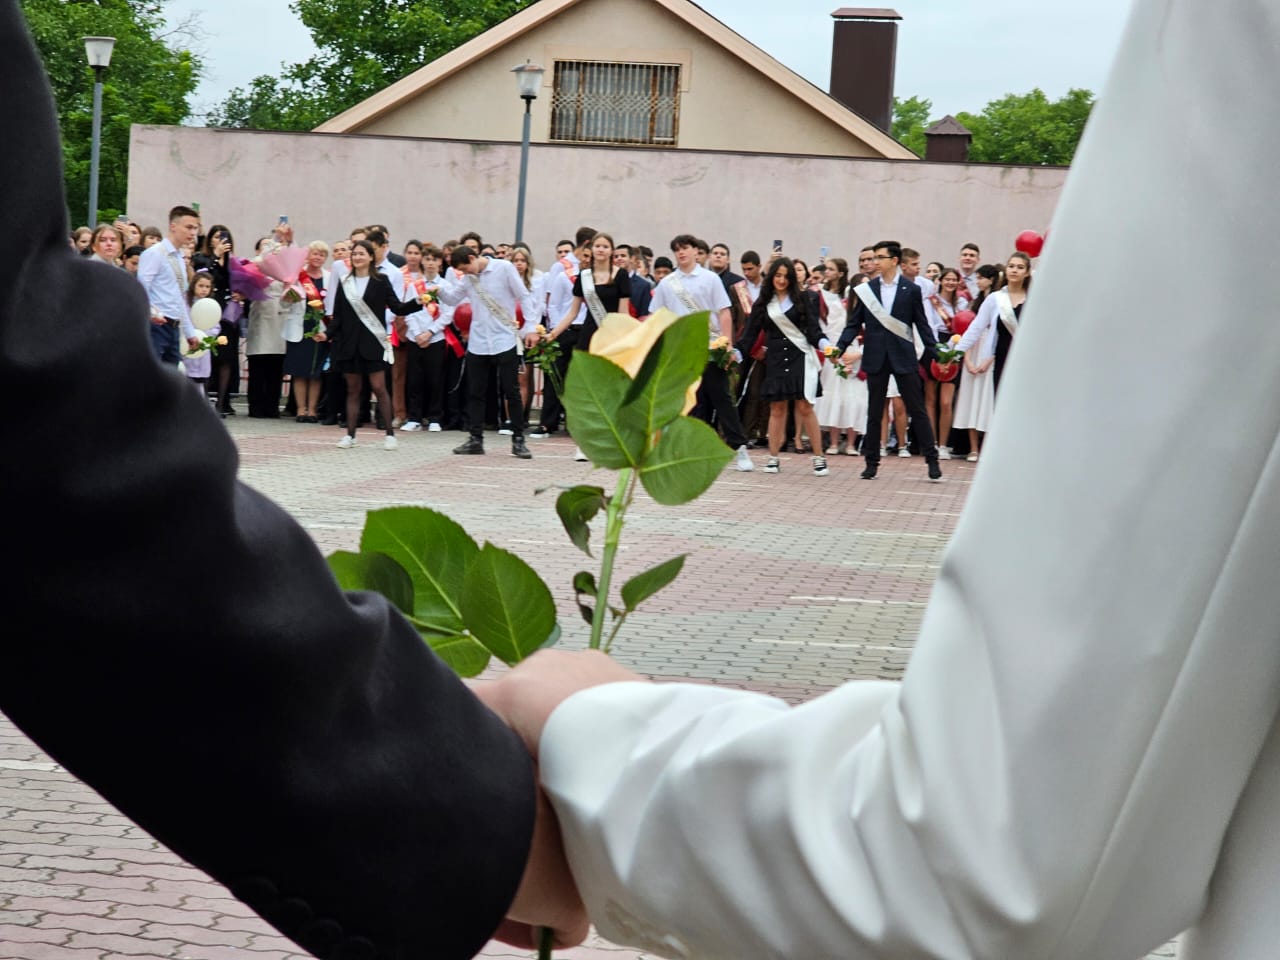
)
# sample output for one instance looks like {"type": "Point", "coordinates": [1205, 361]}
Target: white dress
{"type": "Point", "coordinates": [976, 395]}
{"type": "Point", "coordinates": [843, 403]}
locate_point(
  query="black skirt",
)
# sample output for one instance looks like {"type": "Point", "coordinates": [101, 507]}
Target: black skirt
{"type": "Point", "coordinates": [783, 372]}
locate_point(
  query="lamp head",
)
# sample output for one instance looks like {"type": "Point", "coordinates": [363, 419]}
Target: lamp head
{"type": "Point", "coordinates": [98, 50]}
{"type": "Point", "coordinates": [529, 79]}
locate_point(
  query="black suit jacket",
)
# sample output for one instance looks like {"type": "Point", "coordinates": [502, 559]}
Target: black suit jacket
{"type": "Point", "coordinates": [302, 746]}
{"type": "Point", "coordinates": [641, 295]}
{"type": "Point", "coordinates": [351, 338]}
{"type": "Point", "coordinates": [882, 349]}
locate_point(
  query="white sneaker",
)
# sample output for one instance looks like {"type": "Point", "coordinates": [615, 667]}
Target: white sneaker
{"type": "Point", "coordinates": [390, 443]}
{"type": "Point", "coordinates": [743, 461]}
{"type": "Point", "coordinates": [832, 451]}
{"type": "Point", "coordinates": [944, 453]}
{"type": "Point", "coordinates": [395, 423]}
{"type": "Point", "coordinates": [347, 441]}
{"type": "Point", "coordinates": [972, 458]}
{"type": "Point", "coordinates": [904, 452]}
{"type": "Point", "coordinates": [883, 452]}
{"type": "Point", "coordinates": [820, 467]}
{"type": "Point", "coordinates": [433, 427]}
{"type": "Point", "coordinates": [579, 455]}
{"type": "Point", "coordinates": [771, 466]}
{"type": "Point", "coordinates": [411, 426]}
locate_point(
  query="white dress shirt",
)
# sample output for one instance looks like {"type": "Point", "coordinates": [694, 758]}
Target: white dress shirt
{"type": "Point", "coordinates": [423, 322]}
{"type": "Point", "coordinates": [159, 269]}
{"type": "Point", "coordinates": [703, 287]}
{"type": "Point", "coordinates": [888, 292]}
{"type": "Point", "coordinates": [927, 290]}
{"type": "Point", "coordinates": [490, 334]}
{"type": "Point", "coordinates": [559, 296]}
{"type": "Point", "coordinates": [1084, 756]}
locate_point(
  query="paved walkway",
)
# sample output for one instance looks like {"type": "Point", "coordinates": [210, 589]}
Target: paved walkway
{"type": "Point", "coordinates": [794, 584]}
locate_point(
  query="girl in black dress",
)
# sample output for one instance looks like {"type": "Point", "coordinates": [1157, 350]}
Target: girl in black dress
{"type": "Point", "coordinates": [356, 351]}
{"type": "Point", "coordinates": [602, 288]}
{"type": "Point", "coordinates": [791, 365]}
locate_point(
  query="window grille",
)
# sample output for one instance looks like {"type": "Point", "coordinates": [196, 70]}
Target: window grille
{"type": "Point", "coordinates": [616, 102]}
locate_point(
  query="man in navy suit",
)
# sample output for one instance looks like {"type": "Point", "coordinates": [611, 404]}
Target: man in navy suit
{"type": "Point", "coordinates": [886, 309]}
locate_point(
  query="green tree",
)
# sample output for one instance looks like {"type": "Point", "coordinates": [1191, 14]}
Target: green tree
{"type": "Point", "coordinates": [910, 117]}
{"type": "Point", "coordinates": [363, 46]}
{"type": "Point", "coordinates": [150, 81]}
{"type": "Point", "coordinates": [1029, 128]}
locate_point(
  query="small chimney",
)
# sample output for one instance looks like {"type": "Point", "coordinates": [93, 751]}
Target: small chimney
{"type": "Point", "coordinates": [947, 141]}
{"type": "Point", "coordinates": [863, 55]}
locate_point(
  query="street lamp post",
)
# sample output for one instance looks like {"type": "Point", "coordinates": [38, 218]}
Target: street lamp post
{"type": "Point", "coordinates": [529, 78]}
{"type": "Point", "coordinates": [98, 50]}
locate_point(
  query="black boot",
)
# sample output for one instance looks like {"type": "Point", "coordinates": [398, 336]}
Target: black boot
{"type": "Point", "coordinates": [518, 448]}
{"type": "Point", "coordinates": [473, 445]}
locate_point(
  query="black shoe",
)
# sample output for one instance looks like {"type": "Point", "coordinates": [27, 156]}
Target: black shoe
{"type": "Point", "coordinates": [329, 422]}
{"type": "Point", "coordinates": [227, 411]}
{"type": "Point", "coordinates": [540, 431]}
{"type": "Point", "coordinates": [518, 449]}
{"type": "Point", "coordinates": [473, 445]}
{"type": "Point", "coordinates": [870, 472]}
{"type": "Point", "coordinates": [935, 471]}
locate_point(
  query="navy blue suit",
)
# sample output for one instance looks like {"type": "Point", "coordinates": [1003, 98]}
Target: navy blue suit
{"type": "Point", "coordinates": [886, 354]}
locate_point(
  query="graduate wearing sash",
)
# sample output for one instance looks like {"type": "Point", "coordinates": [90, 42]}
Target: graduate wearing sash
{"type": "Point", "coordinates": [998, 318]}
{"type": "Point", "coordinates": [885, 310]}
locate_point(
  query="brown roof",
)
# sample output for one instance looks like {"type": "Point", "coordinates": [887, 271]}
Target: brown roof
{"type": "Point", "coordinates": [866, 13]}
{"type": "Point", "coordinates": [948, 126]}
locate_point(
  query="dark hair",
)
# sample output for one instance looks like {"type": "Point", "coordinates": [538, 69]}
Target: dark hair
{"type": "Point", "coordinates": [842, 268]}
{"type": "Point", "coordinates": [892, 247]}
{"type": "Point", "coordinates": [750, 256]}
{"type": "Point", "coordinates": [152, 232]}
{"type": "Point", "coordinates": [196, 278]}
{"type": "Point", "coordinates": [663, 262]}
{"type": "Point", "coordinates": [971, 246]}
{"type": "Point", "coordinates": [623, 246]}
{"type": "Point", "coordinates": [945, 271]}
{"type": "Point", "coordinates": [564, 243]}
{"type": "Point", "coordinates": [865, 249]}
{"type": "Point", "coordinates": [909, 254]}
{"type": "Point", "coordinates": [488, 250]}
{"type": "Point", "coordinates": [431, 250]}
{"type": "Point", "coordinates": [991, 272]}
{"type": "Point", "coordinates": [767, 291]}
{"type": "Point", "coordinates": [702, 245]}
{"type": "Point", "coordinates": [414, 243]}
{"type": "Point", "coordinates": [178, 212]}
{"type": "Point", "coordinates": [724, 246]}
{"type": "Point", "coordinates": [382, 228]}
{"type": "Point", "coordinates": [683, 240]}
{"type": "Point", "coordinates": [935, 263]}
{"type": "Point", "coordinates": [376, 237]}
{"type": "Point", "coordinates": [1025, 258]}
{"type": "Point", "coordinates": [470, 235]}
{"type": "Point", "coordinates": [582, 236]}
{"type": "Point", "coordinates": [373, 257]}
{"type": "Point", "coordinates": [134, 251]}
{"type": "Point", "coordinates": [216, 230]}
{"type": "Point", "coordinates": [462, 255]}
{"type": "Point", "coordinates": [857, 278]}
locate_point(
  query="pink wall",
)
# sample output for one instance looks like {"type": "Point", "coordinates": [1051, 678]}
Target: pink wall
{"type": "Point", "coordinates": [436, 189]}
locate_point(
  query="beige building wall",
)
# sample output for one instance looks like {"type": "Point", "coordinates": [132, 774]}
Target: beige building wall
{"type": "Point", "coordinates": [436, 189]}
{"type": "Point", "coordinates": [724, 103]}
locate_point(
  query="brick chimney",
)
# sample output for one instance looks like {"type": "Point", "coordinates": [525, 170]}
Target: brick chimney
{"type": "Point", "coordinates": [863, 55]}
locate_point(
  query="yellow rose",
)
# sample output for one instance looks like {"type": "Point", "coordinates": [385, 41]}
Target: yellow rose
{"type": "Point", "coordinates": [626, 342]}
{"type": "Point", "coordinates": [315, 304]}
{"type": "Point", "coordinates": [222, 341]}
{"type": "Point", "coordinates": [955, 338]}
{"type": "Point", "coordinates": [720, 343]}
{"type": "Point", "coordinates": [539, 329]}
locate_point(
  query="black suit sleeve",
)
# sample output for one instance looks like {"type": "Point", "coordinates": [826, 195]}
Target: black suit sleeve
{"type": "Point", "coordinates": [752, 329]}
{"type": "Point", "coordinates": [857, 317]}
{"type": "Point", "coordinates": [302, 746]}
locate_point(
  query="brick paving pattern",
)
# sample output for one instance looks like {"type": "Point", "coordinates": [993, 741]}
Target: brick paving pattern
{"type": "Point", "coordinates": [794, 584]}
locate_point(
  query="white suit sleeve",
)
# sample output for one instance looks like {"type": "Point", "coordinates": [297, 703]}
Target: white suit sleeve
{"type": "Point", "coordinates": [1098, 666]}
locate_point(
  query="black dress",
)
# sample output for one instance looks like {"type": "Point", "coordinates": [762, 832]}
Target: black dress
{"type": "Point", "coordinates": [611, 294]}
{"type": "Point", "coordinates": [783, 363]}
{"type": "Point", "coordinates": [305, 359]}
{"type": "Point", "coordinates": [353, 348]}
{"type": "Point", "coordinates": [1004, 340]}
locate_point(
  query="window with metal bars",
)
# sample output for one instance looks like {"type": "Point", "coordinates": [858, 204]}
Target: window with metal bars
{"type": "Point", "coordinates": [616, 102]}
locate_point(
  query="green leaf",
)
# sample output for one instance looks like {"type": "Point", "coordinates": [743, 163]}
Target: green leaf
{"type": "Point", "coordinates": [576, 507]}
{"type": "Point", "coordinates": [505, 605]}
{"type": "Point", "coordinates": [552, 639]}
{"type": "Point", "coordinates": [374, 571]}
{"type": "Point", "coordinates": [644, 585]}
{"type": "Point", "coordinates": [435, 551]}
{"type": "Point", "coordinates": [593, 396]}
{"type": "Point", "coordinates": [677, 359]}
{"type": "Point", "coordinates": [685, 462]}
{"type": "Point", "coordinates": [462, 653]}
{"type": "Point", "coordinates": [584, 582]}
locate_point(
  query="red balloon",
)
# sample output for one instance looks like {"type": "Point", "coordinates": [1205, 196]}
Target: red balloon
{"type": "Point", "coordinates": [462, 318]}
{"type": "Point", "coordinates": [944, 374]}
{"type": "Point", "coordinates": [1029, 242]}
{"type": "Point", "coordinates": [960, 322]}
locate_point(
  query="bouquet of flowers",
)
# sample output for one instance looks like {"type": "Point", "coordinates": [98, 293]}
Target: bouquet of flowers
{"type": "Point", "coordinates": [722, 354]}
{"type": "Point", "coordinates": [546, 354]}
{"type": "Point", "coordinates": [833, 354]}
{"type": "Point", "coordinates": [947, 365]}
{"type": "Point", "coordinates": [210, 343]}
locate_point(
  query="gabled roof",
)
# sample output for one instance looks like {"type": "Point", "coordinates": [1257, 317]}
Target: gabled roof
{"type": "Point", "coordinates": [948, 126]}
{"type": "Point", "coordinates": [422, 79]}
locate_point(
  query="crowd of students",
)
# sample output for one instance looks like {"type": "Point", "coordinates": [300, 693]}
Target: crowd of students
{"type": "Point", "coordinates": [434, 334]}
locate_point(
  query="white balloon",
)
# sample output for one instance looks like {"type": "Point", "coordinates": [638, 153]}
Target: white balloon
{"type": "Point", "coordinates": [205, 314]}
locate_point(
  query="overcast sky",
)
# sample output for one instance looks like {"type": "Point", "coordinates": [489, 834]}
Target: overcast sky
{"type": "Point", "coordinates": [960, 54]}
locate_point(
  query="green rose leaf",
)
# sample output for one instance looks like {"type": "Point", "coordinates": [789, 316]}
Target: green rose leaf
{"type": "Point", "coordinates": [374, 571]}
{"type": "Point", "coordinates": [585, 583]}
{"type": "Point", "coordinates": [685, 462]}
{"type": "Point", "coordinates": [656, 396]}
{"type": "Point", "coordinates": [462, 653]}
{"type": "Point", "coordinates": [576, 507]}
{"type": "Point", "coordinates": [593, 402]}
{"type": "Point", "coordinates": [505, 605]}
{"type": "Point", "coordinates": [435, 551]}
{"type": "Point", "coordinates": [644, 585]}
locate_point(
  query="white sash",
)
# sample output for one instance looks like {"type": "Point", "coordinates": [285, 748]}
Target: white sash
{"type": "Point", "coordinates": [371, 322]}
{"type": "Point", "coordinates": [887, 320]}
{"type": "Point", "coordinates": [682, 294]}
{"type": "Point", "coordinates": [1007, 316]}
{"type": "Point", "coordinates": [594, 303]}
{"type": "Point", "coordinates": [497, 309]}
{"type": "Point", "coordinates": [793, 334]}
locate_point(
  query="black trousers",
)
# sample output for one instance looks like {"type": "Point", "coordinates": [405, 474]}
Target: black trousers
{"type": "Point", "coordinates": [552, 405]}
{"type": "Point", "coordinates": [505, 366]}
{"type": "Point", "coordinates": [912, 391]}
{"type": "Point", "coordinates": [713, 396]}
{"type": "Point", "coordinates": [266, 382]}
{"type": "Point", "coordinates": [425, 382]}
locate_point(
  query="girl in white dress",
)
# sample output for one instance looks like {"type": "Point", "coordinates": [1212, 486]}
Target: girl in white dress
{"type": "Point", "coordinates": [843, 404]}
{"type": "Point", "coordinates": [976, 396]}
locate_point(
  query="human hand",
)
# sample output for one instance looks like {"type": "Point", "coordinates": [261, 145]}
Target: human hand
{"type": "Point", "coordinates": [423, 340]}
{"type": "Point", "coordinates": [320, 337]}
{"type": "Point", "coordinates": [193, 343]}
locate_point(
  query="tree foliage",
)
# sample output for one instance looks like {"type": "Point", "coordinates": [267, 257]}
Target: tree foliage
{"type": "Point", "coordinates": [1018, 128]}
{"type": "Point", "coordinates": [363, 46]}
{"type": "Point", "coordinates": [150, 80]}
